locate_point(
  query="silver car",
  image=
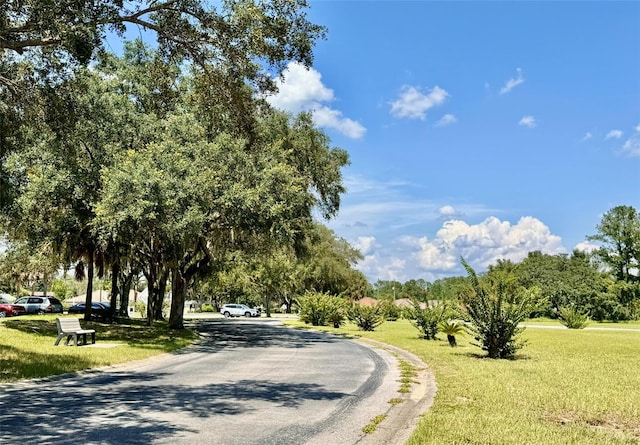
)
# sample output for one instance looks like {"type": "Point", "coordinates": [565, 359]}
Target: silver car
{"type": "Point", "coordinates": [40, 305]}
{"type": "Point", "coordinates": [238, 310]}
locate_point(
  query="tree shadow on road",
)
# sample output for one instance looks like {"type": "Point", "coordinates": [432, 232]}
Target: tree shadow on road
{"type": "Point", "coordinates": [132, 408]}
{"type": "Point", "coordinates": [225, 334]}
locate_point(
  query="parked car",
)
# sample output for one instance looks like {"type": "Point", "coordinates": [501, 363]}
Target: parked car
{"type": "Point", "coordinates": [238, 310]}
{"type": "Point", "coordinates": [40, 305]}
{"type": "Point", "coordinates": [99, 311]}
{"type": "Point", "coordinates": [8, 309]}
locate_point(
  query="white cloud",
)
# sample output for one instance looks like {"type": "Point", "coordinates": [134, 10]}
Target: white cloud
{"type": "Point", "coordinates": [327, 117]}
{"type": "Point", "coordinates": [587, 136]}
{"type": "Point", "coordinates": [528, 121]}
{"type": "Point", "coordinates": [448, 212]}
{"type": "Point", "coordinates": [302, 90]}
{"type": "Point", "coordinates": [638, 128]}
{"type": "Point", "coordinates": [384, 268]}
{"type": "Point", "coordinates": [614, 134]}
{"type": "Point", "coordinates": [447, 119]}
{"type": "Point", "coordinates": [414, 104]}
{"type": "Point", "coordinates": [365, 244]}
{"type": "Point", "coordinates": [512, 83]}
{"type": "Point", "coordinates": [586, 246]}
{"type": "Point", "coordinates": [631, 147]}
{"type": "Point", "coordinates": [484, 243]}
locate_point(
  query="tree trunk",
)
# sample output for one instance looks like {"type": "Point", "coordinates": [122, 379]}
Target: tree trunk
{"type": "Point", "coordinates": [115, 271]}
{"type": "Point", "coordinates": [162, 291]}
{"type": "Point", "coordinates": [89, 296]}
{"type": "Point", "coordinates": [178, 294]}
{"type": "Point", "coordinates": [125, 288]}
{"type": "Point", "coordinates": [151, 276]}
{"type": "Point", "coordinates": [267, 300]}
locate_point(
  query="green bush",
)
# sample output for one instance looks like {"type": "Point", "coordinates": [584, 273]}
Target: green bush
{"type": "Point", "coordinates": [366, 318]}
{"type": "Point", "coordinates": [494, 314]}
{"type": "Point", "coordinates": [141, 308]}
{"type": "Point", "coordinates": [206, 308]}
{"type": "Point", "coordinates": [392, 311]}
{"type": "Point", "coordinates": [321, 309]}
{"type": "Point", "coordinates": [428, 319]}
{"type": "Point", "coordinates": [573, 318]}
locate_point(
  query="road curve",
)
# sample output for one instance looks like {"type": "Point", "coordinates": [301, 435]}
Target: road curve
{"type": "Point", "coordinates": [246, 382]}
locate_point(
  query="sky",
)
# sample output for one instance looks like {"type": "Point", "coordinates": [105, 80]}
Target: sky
{"type": "Point", "coordinates": [482, 130]}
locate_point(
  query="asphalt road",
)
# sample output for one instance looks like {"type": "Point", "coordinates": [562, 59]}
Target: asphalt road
{"type": "Point", "coordinates": [246, 382]}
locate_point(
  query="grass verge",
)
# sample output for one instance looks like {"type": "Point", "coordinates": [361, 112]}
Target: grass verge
{"type": "Point", "coordinates": [27, 346]}
{"type": "Point", "coordinates": [564, 387]}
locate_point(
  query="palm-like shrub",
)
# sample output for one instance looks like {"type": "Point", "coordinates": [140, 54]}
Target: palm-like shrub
{"type": "Point", "coordinates": [366, 318]}
{"type": "Point", "coordinates": [451, 328]}
{"type": "Point", "coordinates": [428, 319]}
{"type": "Point", "coordinates": [320, 309]}
{"type": "Point", "coordinates": [494, 314]}
{"type": "Point", "coordinates": [573, 318]}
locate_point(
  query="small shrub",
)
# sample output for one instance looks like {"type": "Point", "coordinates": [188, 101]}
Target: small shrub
{"type": "Point", "coordinates": [141, 308]}
{"type": "Point", "coordinates": [366, 318]}
{"type": "Point", "coordinates": [392, 311]}
{"type": "Point", "coordinates": [320, 309]}
{"type": "Point", "coordinates": [206, 308]}
{"type": "Point", "coordinates": [428, 319]}
{"type": "Point", "coordinates": [494, 314]}
{"type": "Point", "coordinates": [572, 318]}
{"type": "Point", "coordinates": [451, 328]}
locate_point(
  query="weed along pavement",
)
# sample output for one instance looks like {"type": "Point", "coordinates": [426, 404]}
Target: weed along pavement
{"type": "Point", "coordinates": [245, 382]}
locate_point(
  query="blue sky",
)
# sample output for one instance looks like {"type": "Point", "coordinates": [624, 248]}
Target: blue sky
{"type": "Point", "coordinates": [476, 129]}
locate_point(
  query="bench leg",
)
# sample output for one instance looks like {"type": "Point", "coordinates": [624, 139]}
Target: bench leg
{"type": "Point", "coordinates": [60, 337]}
{"type": "Point", "coordinates": [75, 339]}
{"type": "Point", "coordinates": [93, 338]}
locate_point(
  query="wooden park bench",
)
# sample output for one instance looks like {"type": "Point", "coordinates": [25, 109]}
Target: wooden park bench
{"type": "Point", "coordinates": [70, 327]}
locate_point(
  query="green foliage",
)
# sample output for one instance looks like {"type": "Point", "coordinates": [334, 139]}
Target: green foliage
{"type": "Point", "coordinates": [320, 309]}
{"type": "Point", "coordinates": [494, 315]}
{"type": "Point", "coordinates": [141, 308]}
{"type": "Point", "coordinates": [619, 235]}
{"type": "Point", "coordinates": [573, 318]}
{"type": "Point", "coordinates": [428, 318]}
{"type": "Point", "coordinates": [366, 318]}
{"type": "Point", "coordinates": [391, 310]}
{"type": "Point", "coordinates": [449, 288]}
{"type": "Point", "coordinates": [59, 288]}
{"type": "Point", "coordinates": [206, 308]}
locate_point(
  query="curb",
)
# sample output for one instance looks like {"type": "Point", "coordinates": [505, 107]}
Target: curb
{"type": "Point", "coordinates": [403, 418]}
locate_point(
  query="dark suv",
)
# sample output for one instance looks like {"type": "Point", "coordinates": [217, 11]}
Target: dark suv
{"type": "Point", "coordinates": [40, 305]}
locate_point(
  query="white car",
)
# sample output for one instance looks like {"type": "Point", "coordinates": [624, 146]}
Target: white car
{"type": "Point", "coordinates": [238, 310]}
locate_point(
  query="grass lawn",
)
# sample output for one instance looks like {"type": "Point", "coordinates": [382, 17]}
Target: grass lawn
{"type": "Point", "coordinates": [590, 324]}
{"type": "Point", "coordinates": [27, 346]}
{"type": "Point", "coordinates": [564, 387]}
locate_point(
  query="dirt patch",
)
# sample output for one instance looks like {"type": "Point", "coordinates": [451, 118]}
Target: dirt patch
{"type": "Point", "coordinates": [609, 424]}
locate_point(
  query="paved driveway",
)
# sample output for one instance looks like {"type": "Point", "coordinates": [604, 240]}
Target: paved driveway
{"type": "Point", "coordinates": [247, 382]}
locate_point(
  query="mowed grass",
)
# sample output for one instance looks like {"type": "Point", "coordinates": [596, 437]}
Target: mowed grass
{"type": "Point", "coordinates": [564, 387]}
{"type": "Point", "coordinates": [27, 346]}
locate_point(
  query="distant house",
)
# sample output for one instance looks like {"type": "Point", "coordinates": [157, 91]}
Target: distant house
{"type": "Point", "coordinates": [405, 303]}
{"type": "Point", "coordinates": [368, 301]}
